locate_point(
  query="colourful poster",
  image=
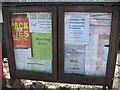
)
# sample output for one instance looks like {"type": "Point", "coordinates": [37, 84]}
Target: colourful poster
{"type": "Point", "coordinates": [20, 32]}
{"type": "Point", "coordinates": [42, 46]}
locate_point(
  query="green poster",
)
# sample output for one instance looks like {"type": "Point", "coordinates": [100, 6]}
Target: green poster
{"type": "Point", "coordinates": [42, 46]}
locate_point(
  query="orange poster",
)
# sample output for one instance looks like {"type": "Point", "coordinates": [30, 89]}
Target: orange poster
{"type": "Point", "coordinates": [21, 33]}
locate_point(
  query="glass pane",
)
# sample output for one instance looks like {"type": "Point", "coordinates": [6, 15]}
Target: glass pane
{"type": "Point", "coordinates": [86, 42]}
{"type": "Point", "coordinates": [32, 38]}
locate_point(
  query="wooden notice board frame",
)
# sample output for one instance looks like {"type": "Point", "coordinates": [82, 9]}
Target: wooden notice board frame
{"type": "Point", "coordinates": [18, 74]}
{"type": "Point", "coordinates": [58, 9]}
{"type": "Point", "coordinates": [75, 78]}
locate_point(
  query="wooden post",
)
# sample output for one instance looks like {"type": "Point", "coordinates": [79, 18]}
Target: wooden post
{"type": "Point", "coordinates": [16, 83]}
{"type": "Point", "coordinates": [104, 88]}
{"type": "Point", "coordinates": [110, 87]}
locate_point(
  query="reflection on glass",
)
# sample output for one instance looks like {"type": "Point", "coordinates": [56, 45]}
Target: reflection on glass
{"type": "Point", "coordinates": [32, 38]}
{"type": "Point", "coordinates": [86, 42]}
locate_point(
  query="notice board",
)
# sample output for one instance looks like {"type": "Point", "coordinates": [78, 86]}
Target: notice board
{"type": "Point", "coordinates": [33, 40]}
{"type": "Point", "coordinates": [62, 42]}
{"type": "Point", "coordinates": [88, 42]}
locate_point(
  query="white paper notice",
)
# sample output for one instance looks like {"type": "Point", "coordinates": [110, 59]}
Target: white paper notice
{"type": "Point", "coordinates": [76, 27]}
{"type": "Point", "coordinates": [40, 22]}
{"type": "Point", "coordinates": [100, 27]}
{"type": "Point", "coordinates": [39, 65]}
{"type": "Point", "coordinates": [91, 55]}
{"type": "Point", "coordinates": [74, 58]}
{"type": "Point", "coordinates": [21, 58]}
